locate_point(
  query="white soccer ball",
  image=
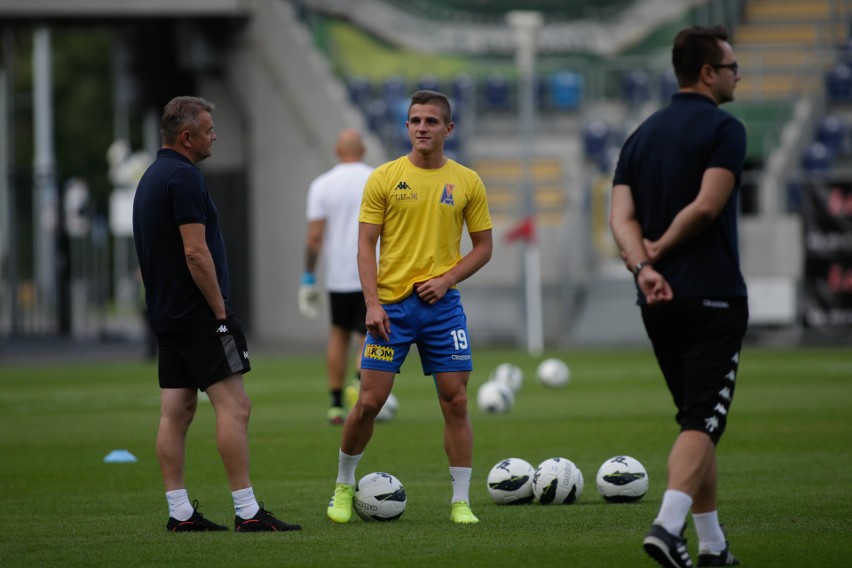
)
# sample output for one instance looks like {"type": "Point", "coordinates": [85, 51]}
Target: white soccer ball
{"type": "Point", "coordinates": [495, 398]}
{"type": "Point", "coordinates": [389, 409]}
{"type": "Point", "coordinates": [510, 375]}
{"type": "Point", "coordinates": [379, 496]}
{"type": "Point", "coordinates": [510, 482]}
{"type": "Point", "coordinates": [622, 479]}
{"type": "Point", "coordinates": [557, 481]}
{"type": "Point", "coordinates": [553, 373]}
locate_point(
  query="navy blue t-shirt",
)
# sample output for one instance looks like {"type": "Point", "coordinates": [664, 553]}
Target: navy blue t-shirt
{"type": "Point", "coordinates": [663, 162]}
{"type": "Point", "coordinates": [172, 193]}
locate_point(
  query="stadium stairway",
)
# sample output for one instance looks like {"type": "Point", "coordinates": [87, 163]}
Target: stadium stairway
{"type": "Point", "coordinates": [782, 44]}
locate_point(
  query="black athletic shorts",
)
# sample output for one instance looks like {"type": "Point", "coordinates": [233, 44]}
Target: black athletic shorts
{"type": "Point", "coordinates": [697, 344]}
{"type": "Point", "coordinates": [349, 311]}
{"type": "Point", "coordinates": [203, 354]}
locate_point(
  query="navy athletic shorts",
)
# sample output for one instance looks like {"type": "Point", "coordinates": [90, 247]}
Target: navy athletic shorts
{"type": "Point", "coordinates": [697, 343]}
{"type": "Point", "coordinates": [203, 354]}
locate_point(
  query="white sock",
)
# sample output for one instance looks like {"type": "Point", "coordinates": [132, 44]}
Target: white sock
{"type": "Point", "coordinates": [245, 505]}
{"type": "Point", "coordinates": [461, 483]}
{"type": "Point", "coordinates": [179, 506]}
{"type": "Point", "coordinates": [710, 536]}
{"type": "Point", "coordinates": [673, 511]}
{"type": "Point", "coordinates": [346, 465]}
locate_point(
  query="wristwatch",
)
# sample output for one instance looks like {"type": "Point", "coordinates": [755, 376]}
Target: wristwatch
{"type": "Point", "coordinates": [639, 266]}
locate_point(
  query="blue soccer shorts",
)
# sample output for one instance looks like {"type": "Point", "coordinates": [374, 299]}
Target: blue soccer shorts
{"type": "Point", "coordinates": [439, 330]}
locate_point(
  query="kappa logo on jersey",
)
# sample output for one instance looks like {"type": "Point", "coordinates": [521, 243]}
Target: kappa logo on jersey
{"type": "Point", "coordinates": [447, 196]}
{"type": "Point", "coordinates": [402, 185]}
{"type": "Point", "coordinates": [222, 329]}
{"type": "Point", "coordinates": [379, 352]}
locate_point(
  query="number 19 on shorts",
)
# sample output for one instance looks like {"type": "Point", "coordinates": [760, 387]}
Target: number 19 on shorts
{"type": "Point", "coordinates": [459, 339]}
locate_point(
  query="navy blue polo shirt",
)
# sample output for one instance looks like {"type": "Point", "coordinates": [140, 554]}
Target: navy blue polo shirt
{"type": "Point", "coordinates": [663, 162]}
{"type": "Point", "coordinates": [172, 193]}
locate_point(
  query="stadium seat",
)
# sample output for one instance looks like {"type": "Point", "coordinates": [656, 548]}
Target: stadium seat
{"type": "Point", "coordinates": [429, 82]}
{"type": "Point", "coordinates": [817, 159]}
{"type": "Point", "coordinates": [496, 96]}
{"type": "Point", "coordinates": [462, 91]}
{"type": "Point", "coordinates": [360, 92]}
{"type": "Point", "coordinates": [596, 136]}
{"type": "Point", "coordinates": [377, 113]}
{"type": "Point", "coordinates": [668, 85]}
{"type": "Point", "coordinates": [566, 89]}
{"type": "Point", "coordinates": [839, 83]}
{"type": "Point", "coordinates": [394, 89]}
{"type": "Point", "coordinates": [831, 131]}
{"type": "Point", "coordinates": [637, 88]}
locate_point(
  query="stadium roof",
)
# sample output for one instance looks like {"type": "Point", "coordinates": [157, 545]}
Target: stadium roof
{"type": "Point", "coordinates": [36, 9]}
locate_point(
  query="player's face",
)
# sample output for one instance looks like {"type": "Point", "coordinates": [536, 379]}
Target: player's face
{"type": "Point", "coordinates": [427, 129]}
{"type": "Point", "coordinates": [202, 139]}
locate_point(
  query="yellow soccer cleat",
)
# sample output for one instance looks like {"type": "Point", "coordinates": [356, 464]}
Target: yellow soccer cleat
{"type": "Point", "coordinates": [462, 514]}
{"type": "Point", "coordinates": [336, 415]}
{"type": "Point", "coordinates": [340, 507]}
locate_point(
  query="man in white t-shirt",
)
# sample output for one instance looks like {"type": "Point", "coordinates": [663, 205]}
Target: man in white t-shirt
{"type": "Point", "coordinates": [334, 200]}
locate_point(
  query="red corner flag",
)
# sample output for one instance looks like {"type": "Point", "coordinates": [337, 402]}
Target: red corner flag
{"type": "Point", "coordinates": [524, 230]}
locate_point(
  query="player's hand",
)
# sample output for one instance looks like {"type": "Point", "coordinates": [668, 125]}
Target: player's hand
{"type": "Point", "coordinates": [378, 323]}
{"type": "Point", "coordinates": [432, 290]}
{"type": "Point", "coordinates": [655, 286]}
{"type": "Point", "coordinates": [309, 296]}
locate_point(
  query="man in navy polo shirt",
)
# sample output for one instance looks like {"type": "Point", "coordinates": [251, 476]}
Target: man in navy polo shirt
{"type": "Point", "coordinates": [184, 268]}
{"type": "Point", "coordinates": [674, 216]}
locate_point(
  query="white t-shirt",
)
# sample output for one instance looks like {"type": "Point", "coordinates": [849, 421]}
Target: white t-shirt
{"type": "Point", "coordinates": [335, 196]}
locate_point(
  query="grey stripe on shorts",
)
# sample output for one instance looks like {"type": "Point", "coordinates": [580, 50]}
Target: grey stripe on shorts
{"type": "Point", "coordinates": [231, 353]}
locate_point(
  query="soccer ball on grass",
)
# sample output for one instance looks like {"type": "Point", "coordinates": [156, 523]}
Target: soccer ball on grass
{"type": "Point", "coordinates": [389, 409]}
{"type": "Point", "coordinates": [495, 398]}
{"type": "Point", "coordinates": [510, 375]}
{"type": "Point", "coordinates": [553, 373]}
{"type": "Point", "coordinates": [510, 482]}
{"type": "Point", "coordinates": [379, 496]}
{"type": "Point", "coordinates": [622, 479]}
{"type": "Point", "coordinates": [557, 481]}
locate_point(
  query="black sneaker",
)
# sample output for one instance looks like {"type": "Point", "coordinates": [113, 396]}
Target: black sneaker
{"type": "Point", "coordinates": [724, 558]}
{"type": "Point", "coordinates": [196, 523]}
{"type": "Point", "coordinates": [263, 521]}
{"type": "Point", "coordinates": [667, 549]}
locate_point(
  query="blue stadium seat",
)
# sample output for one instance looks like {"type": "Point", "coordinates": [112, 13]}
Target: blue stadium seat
{"type": "Point", "coordinates": [831, 131]}
{"type": "Point", "coordinates": [566, 90]}
{"type": "Point", "coordinates": [429, 82]}
{"type": "Point", "coordinates": [668, 85]}
{"type": "Point", "coordinates": [463, 92]}
{"type": "Point", "coordinates": [817, 159]}
{"type": "Point", "coordinates": [839, 83]}
{"type": "Point", "coordinates": [377, 115]}
{"type": "Point", "coordinates": [360, 92]}
{"type": "Point", "coordinates": [394, 89]}
{"type": "Point", "coordinates": [637, 87]}
{"type": "Point", "coordinates": [496, 95]}
{"type": "Point", "coordinates": [596, 135]}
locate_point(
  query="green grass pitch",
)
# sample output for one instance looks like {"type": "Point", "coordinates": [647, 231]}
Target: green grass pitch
{"type": "Point", "coordinates": [785, 490]}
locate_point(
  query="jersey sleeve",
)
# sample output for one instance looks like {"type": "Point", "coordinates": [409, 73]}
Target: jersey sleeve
{"type": "Point", "coordinates": [373, 200]}
{"type": "Point", "coordinates": [730, 148]}
{"type": "Point", "coordinates": [476, 214]}
{"type": "Point", "coordinates": [189, 196]}
{"type": "Point", "coordinates": [315, 208]}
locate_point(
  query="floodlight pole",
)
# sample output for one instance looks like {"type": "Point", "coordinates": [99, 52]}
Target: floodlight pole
{"type": "Point", "coordinates": [525, 25]}
{"type": "Point", "coordinates": [45, 207]}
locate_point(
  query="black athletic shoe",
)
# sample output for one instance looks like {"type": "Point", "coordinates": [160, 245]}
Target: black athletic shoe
{"type": "Point", "coordinates": [667, 549]}
{"type": "Point", "coordinates": [196, 523]}
{"type": "Point", "coordinates": [263, 521]}
{"type": "Point", "coordinates": [724, 558]}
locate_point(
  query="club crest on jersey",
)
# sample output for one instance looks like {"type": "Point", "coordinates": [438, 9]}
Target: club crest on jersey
{"type": "Point", "coordinates": [447, 195]}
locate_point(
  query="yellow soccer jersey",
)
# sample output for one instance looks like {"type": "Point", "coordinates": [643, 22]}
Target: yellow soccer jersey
{"type": "Point", "coordinates": [422, 213]}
